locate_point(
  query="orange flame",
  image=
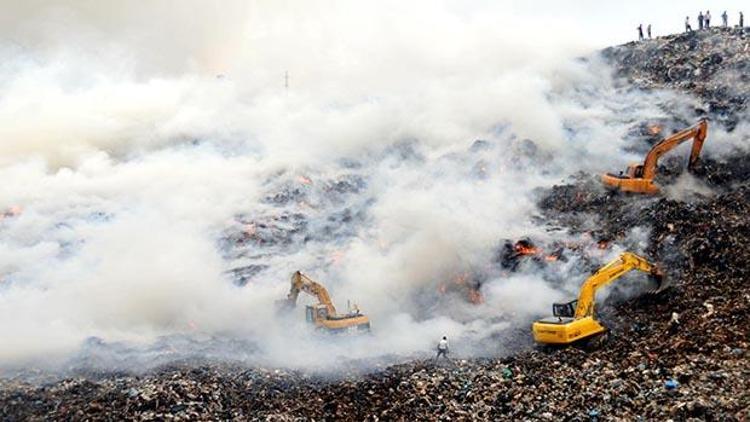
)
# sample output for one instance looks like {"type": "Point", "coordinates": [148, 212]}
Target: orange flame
{"type": "Point", "coordinates": [525, 250]}
{"type": "Point", "coordinates": [337, 256]}
{"type": "Point", "coordinates": [550, 258]}
{"type": "Point", "coordinates": [654, 129]}
{"type": "Point", "coordinates": [462, 282]}
{"type": "Point", "coordinates": [249, 229]}
{"type": "Point", "coordinates": [475, 297]}
{"type": "Point", "coordinates": [472, 293]}
{"type": "Point", "coordinates": [12, 211]}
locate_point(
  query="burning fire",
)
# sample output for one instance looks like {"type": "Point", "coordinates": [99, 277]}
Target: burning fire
{"type": "Point", "coordinates": [12, 211]}
{"type": "Point", "coordinates": [523, 247]}
{"type": "Point", "coordinates": [654, 129]}
{"type": "Point", "coordinates": [336, 257]}
{"type": "Point", "coordinates": [463, 282]}
{"type": "Point", "coordinates": [249, 229]}
{"type": "Point", "coordinates": [304, 180]}
{"type": "Point", "coordinates": [475, 297]}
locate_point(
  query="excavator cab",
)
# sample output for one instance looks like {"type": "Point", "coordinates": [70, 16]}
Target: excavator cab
{"type": "Point", "coordinates": [631, 181]}
{"type": "Point", "coordinates": [564, 310]}
{"type": "Point", "coordinates": [315, 313]}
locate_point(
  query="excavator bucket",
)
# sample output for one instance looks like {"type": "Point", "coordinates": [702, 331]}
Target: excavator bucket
{"type": "Point", "coordinates": [660, 280]}
{"type": "Point", "coordinates": [284, 305]}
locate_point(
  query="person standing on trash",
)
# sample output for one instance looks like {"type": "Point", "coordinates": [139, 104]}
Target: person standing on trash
{"type": "Point", "coordinates": [648, 31]}
{"type": "Point", "coordinates": [725, 19]}
{"type": "Point", "coordinates": [707, 19]}
{"type": "Point", "coordinates": [700, 21]}
{"type": "Point", "coordinates": [640, 32]}
{"type": "Point", "coordinates": [442, 349]}
{"type": "Point", "coordinates": [687, 24]}
{"type": "Point", "coordinates": [742, 20]}
{"type": "Point", "coordinates": [674, 323]}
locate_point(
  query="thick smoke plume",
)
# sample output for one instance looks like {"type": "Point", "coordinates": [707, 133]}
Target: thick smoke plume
{"type": "Point", "coordinates": [137, 140]}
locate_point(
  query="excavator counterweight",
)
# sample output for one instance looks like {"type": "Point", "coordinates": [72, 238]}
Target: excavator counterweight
{"type": "Point", "coordinates": [323, 315]}
{"type": "Point", "coordinates": [574, 321]}
{"type": "Point", "coordinates": [639, 178]}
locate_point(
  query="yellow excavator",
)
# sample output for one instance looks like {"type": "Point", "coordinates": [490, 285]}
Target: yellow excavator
{"type": "Point", "coordinates": [639, 178]}
{"type": "Point", "coordinates": [574, 321]}
{"type": "Point", "coordinates": [323, 314]}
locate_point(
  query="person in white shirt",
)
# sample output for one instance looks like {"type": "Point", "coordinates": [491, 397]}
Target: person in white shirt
{"type": "Point", "coordinates": [442, 348]}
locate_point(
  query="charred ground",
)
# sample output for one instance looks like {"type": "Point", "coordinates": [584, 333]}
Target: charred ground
{"type": "Point", "coordinates": [702, 239]}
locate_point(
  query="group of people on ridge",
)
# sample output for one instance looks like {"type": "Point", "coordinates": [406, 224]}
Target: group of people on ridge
{"type": "Point", "coordinates": [640, 31]}
{"type": "Point", "coordinates": [704, 21]}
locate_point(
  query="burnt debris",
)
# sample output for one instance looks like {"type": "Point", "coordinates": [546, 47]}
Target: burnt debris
{"type": "Point", "coordinates": [712, 64]}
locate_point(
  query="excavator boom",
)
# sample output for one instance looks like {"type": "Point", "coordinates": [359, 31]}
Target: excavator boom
{"type": "Point", "coordinates": [626, 262]}
{"type": "Point", "coordinates": [639, 178]}
{"type": "Point", "coordinates": [574, 321]}
{"type": "Point", "coordinates": [303, 283]}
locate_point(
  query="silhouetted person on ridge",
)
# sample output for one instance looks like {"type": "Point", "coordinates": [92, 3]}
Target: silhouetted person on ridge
{"type": "Point", "coordinates": [640, 32]}
{"type": "Point", "coordinates": [648, 31]}
{"type": "Point", "coordinates": [724, 19]}
{"type": "Point", "coordinates": [687, 24]}
{"type": "Point", "coordinates": [742, 20]}
{"type": "Point", "coordinates": [707, 18]}
{"type": "Point", "coordinates": [700, 21]}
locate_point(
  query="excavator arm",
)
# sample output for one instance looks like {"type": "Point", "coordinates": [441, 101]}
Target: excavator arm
{"type": "Point", "coordinates": [626, 262]}
{"type": "Point", "coordinates": [640, 177]}
{"type": "Point", "coordinates": [303, 283]}
{"type": "Point", "coordinates": [569, 325]}
{"type": "Point", "coordinates": [697, 133]}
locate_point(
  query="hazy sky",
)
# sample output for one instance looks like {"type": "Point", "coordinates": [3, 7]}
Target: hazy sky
{"type": "Point", "coordinates": [602, 23]}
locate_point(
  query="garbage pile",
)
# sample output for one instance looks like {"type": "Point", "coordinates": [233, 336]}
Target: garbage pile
{"type": "Point", "coordinates": [679, 355]}
{"type": "Point", "coordinates": [655, 366]}
{"type": "Point", "coordinates": [296, 209]}
{"type": "Point", "coordinates": [711, 64]}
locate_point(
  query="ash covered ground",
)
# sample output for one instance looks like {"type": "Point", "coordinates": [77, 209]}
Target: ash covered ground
{"type": "Point", "coordinates": [698, 230]}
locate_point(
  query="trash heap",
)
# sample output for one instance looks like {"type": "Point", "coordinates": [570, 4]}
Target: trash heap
{"type": "Point", "coordinates": [712, 64]}
{"type": "Point", "coordinates": [682, 354]}
{"type": "Point", "coordinates": [651, 367]}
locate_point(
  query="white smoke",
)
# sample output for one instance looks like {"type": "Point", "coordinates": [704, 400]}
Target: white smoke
{"type": "Point", "coordinates": [133, 136]}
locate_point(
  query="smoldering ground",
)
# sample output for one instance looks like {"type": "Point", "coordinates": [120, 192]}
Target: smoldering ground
{"type": "Point", "coordinates": [147, 171]}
